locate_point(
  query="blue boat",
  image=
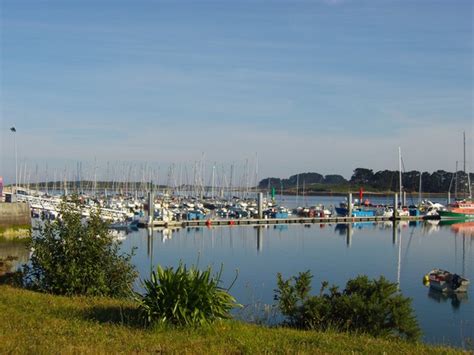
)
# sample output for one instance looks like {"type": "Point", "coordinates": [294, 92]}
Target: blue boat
{"type": "Point", "coordinates": [357, 212]}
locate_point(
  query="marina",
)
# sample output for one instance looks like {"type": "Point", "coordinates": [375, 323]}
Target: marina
{"type": "Point", "coordinates": [187, 211]}
{"type": "Point", "coordinates": [236, 177]}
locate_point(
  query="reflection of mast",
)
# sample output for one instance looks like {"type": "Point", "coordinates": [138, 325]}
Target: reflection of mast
{"type": "Point", "coordinates": [399, 258]}
{"type": "Point", "coordinates": [212, 238]}
{"type": "Point", "coordinates": [394, 232]}
{"type": "Point", "coordinates": [259, 239]}
{"type": "Point", "coordinates": [464, 254]}
{"type": "Point", "coordinates": [397, 234]}
{"type": "Point", "coordinates": [349, 233]}
{"type": "Point", "coordinates": [150, 247]}
{"type": "Point", "coordinates": [463, 246]}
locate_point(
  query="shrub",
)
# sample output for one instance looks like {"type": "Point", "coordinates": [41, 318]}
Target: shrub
{"type": "Point", "coordinates": [185, 297]}
{"type": "Point", "coordinates": [368, 306]}
{"type": "Point", "coordinates": [71, 257]}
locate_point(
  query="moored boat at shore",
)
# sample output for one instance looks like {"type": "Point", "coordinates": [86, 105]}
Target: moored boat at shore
{"type": "Point", "coordinates": [459, 210]}
{"type": "Point", "coordinates": [444, 281]}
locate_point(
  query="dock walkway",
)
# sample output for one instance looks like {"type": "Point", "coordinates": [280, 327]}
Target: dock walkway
{"type": "Point", "coordinates": [274, 221]}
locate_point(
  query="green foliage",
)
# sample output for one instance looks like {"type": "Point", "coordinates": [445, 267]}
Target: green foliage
{"type": "Point", "coordinates": [72, 257]}
{"type": "Point", "coordinates": [368, 306]}
{"type": "Point", "coordinates": [185, 297]}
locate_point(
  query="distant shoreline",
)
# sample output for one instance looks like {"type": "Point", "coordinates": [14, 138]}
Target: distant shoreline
{"type": "Point", "coordinates": [365, 193]}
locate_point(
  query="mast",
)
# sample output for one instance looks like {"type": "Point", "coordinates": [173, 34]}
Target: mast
{"type": "Point", "coordinates": [231, 179]}
{"type": "Point", "coordinates": [304, 202]}
{"type": "Point", "coordinates": [400, 173]}
{"type": "Point", "coordinates": [297, 187]}
{"type": "Point", "coordinates": [213, 180]}
{"type": "Point", "coordinates": [465, 171]}
{"type": "Point", "coordinates": [456, 182]}
{"type": "Point", "coordinates": [256, 172]}
{"type": "Point", "coordinates": [464, 150]}
{"type": "Point", "coordinates": [419, 189]}
{"type": "Point", "coordinates": [469, 185]}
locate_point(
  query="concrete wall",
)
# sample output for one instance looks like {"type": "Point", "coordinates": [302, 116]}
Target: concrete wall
{"type": "Point", "coordinates": [14, 214]}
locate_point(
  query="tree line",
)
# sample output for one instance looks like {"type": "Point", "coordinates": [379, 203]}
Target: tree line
{"type": "Point", "coordinates": [383, 180]}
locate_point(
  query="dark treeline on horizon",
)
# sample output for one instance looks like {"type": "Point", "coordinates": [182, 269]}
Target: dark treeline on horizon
{"type": "Point", "coordinates": [384, 180]}
{"type": "Point", "coordinates": [439, 181]}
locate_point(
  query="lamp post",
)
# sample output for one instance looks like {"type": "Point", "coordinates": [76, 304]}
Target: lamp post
{"type": "Point", "coordinates": [13, 129]}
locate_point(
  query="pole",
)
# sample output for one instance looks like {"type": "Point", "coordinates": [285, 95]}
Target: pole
{"type": "Point", "coordinates": [349, 206]}
{"type": "Point", "coordinates": [395, 206]}
{"type": "Point", "coordinates": [260, 205]}
{"type": "Point", "coordinates": [16, 160]}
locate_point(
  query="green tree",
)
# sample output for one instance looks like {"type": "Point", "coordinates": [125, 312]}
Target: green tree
{"type": "Point", "coordinates": [73, 257]}
{"type": "Point", "coordinates": [334, 179]}
{"type": "Point", "coordinates": [370, 306]}
{"type": "Point", "coordinates": [362, 176]}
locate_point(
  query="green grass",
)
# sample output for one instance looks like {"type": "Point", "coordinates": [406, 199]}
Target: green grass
{"type": "Point", "coordinates": [38, 323]}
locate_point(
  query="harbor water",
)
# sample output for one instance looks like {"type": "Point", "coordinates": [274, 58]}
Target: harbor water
{"type": "Point", "coordinates": [403, 253]}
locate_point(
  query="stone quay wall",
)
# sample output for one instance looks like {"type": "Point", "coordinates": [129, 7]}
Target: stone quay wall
{"type": "Point", "coordinates": [15, 214]}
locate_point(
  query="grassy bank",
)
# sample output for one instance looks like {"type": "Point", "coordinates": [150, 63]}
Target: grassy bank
{"type": "Point", "coordinates": [38, 323]}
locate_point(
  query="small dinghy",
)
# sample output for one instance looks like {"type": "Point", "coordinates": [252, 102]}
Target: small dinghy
{"type": "Point", "coordinates": [444, 281]}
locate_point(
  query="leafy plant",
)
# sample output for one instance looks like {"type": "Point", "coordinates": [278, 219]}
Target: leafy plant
{"type": "Point", "coordinates": [369, 306]}
{"type": "Point", "coordinates": [185, 296]}
{"type": "Point", "coordinates": [73, 257]}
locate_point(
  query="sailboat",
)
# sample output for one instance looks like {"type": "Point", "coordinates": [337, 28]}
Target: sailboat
{"type": "Point", "coordinates": [461, 209]}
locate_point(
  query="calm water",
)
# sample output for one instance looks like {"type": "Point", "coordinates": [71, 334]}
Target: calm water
{"type": "Point", "coordinates": [332, 252]}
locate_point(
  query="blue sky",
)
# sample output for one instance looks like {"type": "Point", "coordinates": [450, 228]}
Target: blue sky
{"type": "Point", "coordinates": [323, 86]}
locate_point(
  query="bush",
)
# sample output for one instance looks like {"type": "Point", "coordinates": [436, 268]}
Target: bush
{"type": "Point", "coordinates": [368, 306]}
{"type": "Point", "coordinates": [71, 257]}
{"type": "Point", "coordinates": [185, 297]}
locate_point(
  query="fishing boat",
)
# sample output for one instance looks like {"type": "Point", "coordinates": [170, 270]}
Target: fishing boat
{"type": "Point", "coordinates": [459, 210]}
{"type": "Point", "coordinates": [343, 210]}
{"type": "Point", "coordinates": [444, 281]}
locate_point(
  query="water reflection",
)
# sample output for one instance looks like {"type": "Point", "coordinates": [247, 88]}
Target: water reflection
{"type": "Point", "coordinates": [464, 228]}
{"type": "Point", "coordinates": [456, 299]}
{"type": "Point", "coordinates": [13, 254]}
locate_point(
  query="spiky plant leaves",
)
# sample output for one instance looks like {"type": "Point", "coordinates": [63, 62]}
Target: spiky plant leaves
{"type": "Point", "coordinates": [184, 296]}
